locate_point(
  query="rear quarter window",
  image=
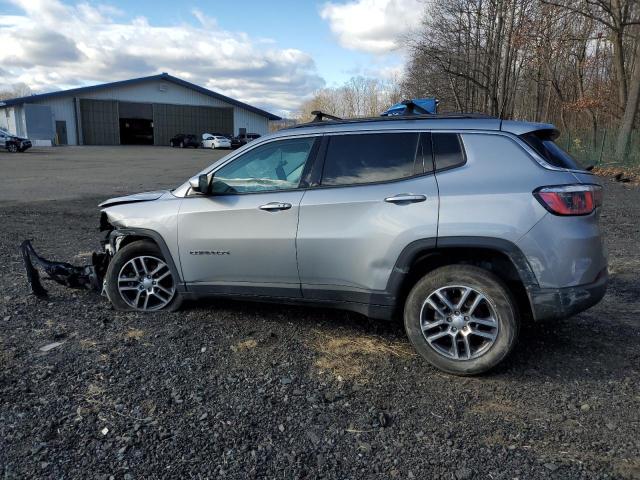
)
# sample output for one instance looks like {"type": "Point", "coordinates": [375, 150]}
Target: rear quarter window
{"type": "Point", "coordinates": [542, 141]}
{"type": "Point", "coordinates": [448, 151]}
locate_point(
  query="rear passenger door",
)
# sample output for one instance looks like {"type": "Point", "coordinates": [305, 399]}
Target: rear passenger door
{"type": "Point", "coordinates": [375, 194]}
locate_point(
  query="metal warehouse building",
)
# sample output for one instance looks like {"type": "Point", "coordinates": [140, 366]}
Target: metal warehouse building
{"type": "Point", "coordinates": [147, 110]}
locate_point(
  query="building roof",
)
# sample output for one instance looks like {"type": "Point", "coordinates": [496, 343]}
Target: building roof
{"type": "Point", "coordinates": [133, 81]}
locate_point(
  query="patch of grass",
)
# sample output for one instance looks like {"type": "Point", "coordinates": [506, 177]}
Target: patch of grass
{"type": "Point", "coordinates": [94, 390]}
{"type": "Point", "coordinates": [87, 343]}
{"type": "Point", "coordinates": [350, 356]}
{"type": "Point", "coordinates": [244, 345]}
{"type": "Point", "coordinates": [627, 468]}
{"type": "Point", "coordinates": [134, 333]}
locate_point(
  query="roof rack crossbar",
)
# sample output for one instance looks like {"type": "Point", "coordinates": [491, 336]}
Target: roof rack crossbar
{"type": "Point", "coordinates": [320, 116]}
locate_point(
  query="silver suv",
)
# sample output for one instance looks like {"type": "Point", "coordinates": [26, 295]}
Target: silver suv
{"type": "Point", "coordinates": [464, 225]}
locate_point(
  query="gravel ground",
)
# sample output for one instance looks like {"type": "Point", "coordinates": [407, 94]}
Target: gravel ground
{"type": "Point", "coordinates": [240, 390]}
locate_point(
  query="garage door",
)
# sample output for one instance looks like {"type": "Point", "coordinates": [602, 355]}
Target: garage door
{"type": "Point", "coordinates": [168, 120]}
{"type": "Point", "coordinates": [100, 125]}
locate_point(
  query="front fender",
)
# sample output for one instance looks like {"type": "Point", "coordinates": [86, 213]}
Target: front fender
{"type": "Point", "coordinates": [123, 236]}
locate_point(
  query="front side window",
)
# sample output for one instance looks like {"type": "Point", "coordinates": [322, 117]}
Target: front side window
{"type": "Point", "coordinates": [275, 166]}
{"type": "Point", "coordinates": [369, 158]}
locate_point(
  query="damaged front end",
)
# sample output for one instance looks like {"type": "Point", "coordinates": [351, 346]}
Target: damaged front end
{"type": "Point", "coordinates": [91, 276]}
{"type": "Point", "coordinates": [88, 277]}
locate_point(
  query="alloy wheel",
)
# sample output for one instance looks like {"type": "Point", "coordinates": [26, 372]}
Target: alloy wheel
{"type": "Point", "coordinates": [459, 322]}
{"type": "Point", "coordinates": [145, 283]}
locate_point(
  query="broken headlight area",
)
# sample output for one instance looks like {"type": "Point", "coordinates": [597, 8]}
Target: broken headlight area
{"type": "Point", "coordinates": [88, 277]}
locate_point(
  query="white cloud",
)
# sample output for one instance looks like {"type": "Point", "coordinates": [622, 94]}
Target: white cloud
{"type": "Point", "coordinates": [52, 45]}
{"type": "Point", "coordinates": [372, 26]}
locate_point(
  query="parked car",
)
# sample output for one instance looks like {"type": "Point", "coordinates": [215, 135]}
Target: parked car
{"type": "Point", "coordinates": [240, 140]}
{"type": "Point", "coordinates": [466, 226]}
{"type": "Point", "coordinates": [184, 140]}
{"type": "Point", "coordinates": [13, 143]}
{"type": "Point", "coordinates": [215, 140]}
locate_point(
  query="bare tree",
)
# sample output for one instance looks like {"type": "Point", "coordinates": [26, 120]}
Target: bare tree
{"type": "Point", "coordinates": [575, 63]}
{"type": "Point", "coordinates": [358, 97]}
{"type": "Point", "coordinates": [619, 17]}
{"type": "Point", "coordinates": [15, 91]}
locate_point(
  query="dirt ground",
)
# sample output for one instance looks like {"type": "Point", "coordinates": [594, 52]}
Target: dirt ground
{"type": "Point", "coordinates": [239, 390]}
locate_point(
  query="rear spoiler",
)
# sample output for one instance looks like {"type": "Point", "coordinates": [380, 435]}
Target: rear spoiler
{"type": "Point", "coordinates": [546, 130]}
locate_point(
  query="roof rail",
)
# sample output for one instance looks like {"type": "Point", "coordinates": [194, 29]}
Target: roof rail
{"type": "Point", "coordinates": [318, 122]}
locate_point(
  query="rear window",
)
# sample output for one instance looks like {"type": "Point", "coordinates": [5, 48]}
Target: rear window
{"type": "Point", "coordinates": [368, 158]}
{"type": "Point", "coordinates": [542, 142]}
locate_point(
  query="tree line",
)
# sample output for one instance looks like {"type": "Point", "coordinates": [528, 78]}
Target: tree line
{"type": "Point", "coordinates": [574, 63]}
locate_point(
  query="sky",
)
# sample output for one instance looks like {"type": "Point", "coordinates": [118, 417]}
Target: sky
{"type": "Point", "coordinates": [271, 54]}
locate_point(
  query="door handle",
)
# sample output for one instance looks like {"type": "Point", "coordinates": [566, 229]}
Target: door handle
{"type": "Point", "coordinates": [273, 206]}
{"type": "Point", "coordinates": [405, 198]}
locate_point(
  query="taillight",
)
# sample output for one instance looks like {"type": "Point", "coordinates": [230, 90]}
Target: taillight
{"type": "Point", "coordinates": [570, 199]}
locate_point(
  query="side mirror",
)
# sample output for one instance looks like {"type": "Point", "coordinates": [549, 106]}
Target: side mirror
{"type": "Point", "coordinates": [201, 184]}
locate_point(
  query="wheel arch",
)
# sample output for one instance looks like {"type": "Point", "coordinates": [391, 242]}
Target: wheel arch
{"type": "Point", "coordinates": [501, 257]}
{"type": "Point", "coordinates": [119, 238]}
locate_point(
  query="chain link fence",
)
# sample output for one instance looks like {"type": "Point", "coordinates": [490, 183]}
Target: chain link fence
{"type": "Point", "coordinates": [581, 145]}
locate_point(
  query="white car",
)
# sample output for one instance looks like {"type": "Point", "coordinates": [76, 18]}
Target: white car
{"type": "Point", "coordinates": [215, 140]}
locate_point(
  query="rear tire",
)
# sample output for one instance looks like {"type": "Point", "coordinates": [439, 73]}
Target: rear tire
{"type": "Point", "coordinates": [13, 148]}
{"type": "Point", "coordinates": [462, 319]}
{"type": "Point", "coordinates": [181, 144]}
{"type": "Point", "coordinates": [171, 144]}
{"type": "Point", "coordinates": [136, 263]}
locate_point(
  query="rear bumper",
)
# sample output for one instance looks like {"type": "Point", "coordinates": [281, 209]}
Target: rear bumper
{"type": "Point", "coordinates": [558, 303]}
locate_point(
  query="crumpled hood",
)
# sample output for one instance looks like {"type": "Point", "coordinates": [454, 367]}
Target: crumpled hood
{"type": "Point", "coordinates": [136, 197]}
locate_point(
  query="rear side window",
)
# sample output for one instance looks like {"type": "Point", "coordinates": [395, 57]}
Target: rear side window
{"type": "Point", "coordinates": [542, 142]}
{"type": "Point", "coordinates": [447, 150]}
{"type": "Point", "coordinates": [368, 158]}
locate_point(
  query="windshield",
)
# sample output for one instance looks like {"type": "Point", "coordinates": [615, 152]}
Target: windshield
{"type": "Point", "coordinates": [542, 141]}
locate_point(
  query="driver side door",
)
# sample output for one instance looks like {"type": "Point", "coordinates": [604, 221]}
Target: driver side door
{"type": "Point", "coordinates": [241, 240]}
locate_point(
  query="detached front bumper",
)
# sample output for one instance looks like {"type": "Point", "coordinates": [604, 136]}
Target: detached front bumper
{"type": "Point", "coordinates": [558, 303]}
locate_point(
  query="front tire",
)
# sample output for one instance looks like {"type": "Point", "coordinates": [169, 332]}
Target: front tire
{"type": "Point", "coordinates": [139, 279]}
{"type": "Point", "coordinates": [181, 144]}
{"type": "Point", "coordinates": [213, 146]}
{"type": "Point", "coordinates": [13, 148]}
{"type": "Point", "coordinates": [462, 319]}
{"type": "Point", "coordinates": [171, 144]}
